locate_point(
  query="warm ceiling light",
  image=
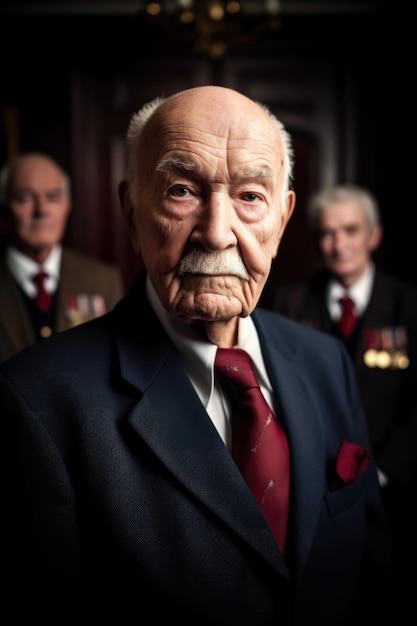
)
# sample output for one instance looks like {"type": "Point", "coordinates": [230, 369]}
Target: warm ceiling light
{"type": "Point", "coordinates": [187, 17]}
{"type": "Point", "coordinates": [153, 8]}
{"type": "Point", "coordinates": [273, 6]}
{"type": "Point", "coordinates": [216, 11]}
{"type": "Point", "coordinates": [233, 7]}
{"type": "Point", "coordinates": [217, 49]}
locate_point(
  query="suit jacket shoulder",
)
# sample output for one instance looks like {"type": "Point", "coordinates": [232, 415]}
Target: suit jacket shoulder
{"type": "Point", "coordinates": [302, 300]}
{"type": "Point", "coordinates": [88, 287]}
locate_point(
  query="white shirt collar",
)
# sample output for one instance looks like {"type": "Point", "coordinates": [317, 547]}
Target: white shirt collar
{"type": "Point", "coordinates": [198, 353]}
{"type": "Point", "coordinates": [360, 292]}
{"type": "Point", "coordinates": [23, 269]}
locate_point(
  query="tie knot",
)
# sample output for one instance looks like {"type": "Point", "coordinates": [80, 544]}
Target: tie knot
{"type": "Point", "coordinates": [234, 367]}
{"type": "Point", "coordinates": [39, 278]}
{"type": "Point", "coordinates": [347, 303]}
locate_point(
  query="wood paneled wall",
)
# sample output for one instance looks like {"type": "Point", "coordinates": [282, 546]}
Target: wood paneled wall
{"type": "Point", "coordinates": [329, 81]}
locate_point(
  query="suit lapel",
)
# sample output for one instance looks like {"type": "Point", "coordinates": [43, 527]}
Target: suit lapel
{"type": "Point", "coordinates": [304, 434]}
{"type": "Point", "coordinates": [301, 421]}
{"type": "Point", "coordinates": [13, 313]}
{"type": "Point", "coordinates": [66, 286]}
{"type": "Point", "coordinates": [381, 306]}
{"type": "Point", "coordinates": [177, 428]}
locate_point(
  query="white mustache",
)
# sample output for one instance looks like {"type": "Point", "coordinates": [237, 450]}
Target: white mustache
{"type": "Point", "coordinates": [226, 262]}
{"type": "Point", "coordinates": [43, 221]}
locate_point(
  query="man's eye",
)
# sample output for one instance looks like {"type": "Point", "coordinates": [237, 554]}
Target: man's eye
{"type": "Point", "coordinates": [179, 192]}
{"type": "Point", "coordinates": [250, 197]}
{"type": "Point", "coordinates": [21, 198]}
{"type": "Point", "coordinates": [55, 196]}
{"type": "Point", "coordinates": [352, 230]}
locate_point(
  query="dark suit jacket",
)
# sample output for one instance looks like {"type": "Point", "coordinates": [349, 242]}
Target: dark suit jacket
{"type": "Point", "coordinates": [389, 395]}
{"type": "Point", "coordinates": [121, 495]}
{"type": "Point", "coordinates": [80, 274]}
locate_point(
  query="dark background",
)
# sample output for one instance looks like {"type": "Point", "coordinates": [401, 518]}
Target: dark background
{"type": "Point", "coordinates": [335, 73]}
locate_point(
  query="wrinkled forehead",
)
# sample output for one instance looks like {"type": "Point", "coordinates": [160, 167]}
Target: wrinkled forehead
{"type": "Point", "coordinates": [213, 106]}
{"type": "Point", "coordinates": [341, 211]}
{"type": "Point", "coordinates": [35, 172]}
{"type": "Point", "coordinates": [219, 129]}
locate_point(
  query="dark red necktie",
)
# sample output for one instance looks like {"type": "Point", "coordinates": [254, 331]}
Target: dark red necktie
{"type": "Point", "coordinates": [347, 322]}
{"type": "Point", "coordinates": [43, 299]}
{"type": "Point", "coordinates": [260, 446]}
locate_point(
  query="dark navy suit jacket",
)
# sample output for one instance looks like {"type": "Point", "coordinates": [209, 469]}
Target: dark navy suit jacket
{"type": "Point", "coordinates": [121, 500]}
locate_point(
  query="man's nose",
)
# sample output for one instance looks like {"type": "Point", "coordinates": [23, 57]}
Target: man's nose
{"type": "Point", "coordinates": [215, 229]}
{"type": "Point", "coordinates": [40, 205]}
{"type": "Point", "coordinates": [339, 240]}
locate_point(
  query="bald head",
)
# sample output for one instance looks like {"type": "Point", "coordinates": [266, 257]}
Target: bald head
{"type": "Point", "coordinates": [210, 110]}
{"type": "Point", "coordinates": [31, 165]}
{"type": "Point", "coordinates": [217, 109]}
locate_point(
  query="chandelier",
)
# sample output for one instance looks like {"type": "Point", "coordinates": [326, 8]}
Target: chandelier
{"type": "Point", "coordinates": [214, 27]}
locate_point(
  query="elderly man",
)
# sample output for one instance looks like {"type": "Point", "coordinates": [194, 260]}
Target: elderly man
{"type": "Point", "coordinates": [381, 337]}
{"type": "Point", "coordinates": [45, 287]}
{"type": "Point", "coordinates": [189, 456]}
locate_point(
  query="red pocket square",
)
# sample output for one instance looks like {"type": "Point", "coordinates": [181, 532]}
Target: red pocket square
{"type": "Point", "coordinates": [352, 460]}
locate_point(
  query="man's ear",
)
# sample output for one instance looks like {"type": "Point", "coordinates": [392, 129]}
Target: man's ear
{"type": "Point", "coordinates": [376, 238]}
{"type": "Point", "coordinates": [290, 206]}
{"type": "Point", "coordinates": [128, 213]}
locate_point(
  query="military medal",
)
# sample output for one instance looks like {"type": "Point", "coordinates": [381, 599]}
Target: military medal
{"type": "Point", "coordinates": [386, 348]}
{"type": "Point", "coordinates": [84, 307]}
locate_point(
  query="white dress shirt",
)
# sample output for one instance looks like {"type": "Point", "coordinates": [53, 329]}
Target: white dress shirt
{"type": "Point", "coordinates": [198, 355]}
{"type": "Point", "coordinates": [360, 292]}
{"type": "Point", "coordinates": [23, 269]}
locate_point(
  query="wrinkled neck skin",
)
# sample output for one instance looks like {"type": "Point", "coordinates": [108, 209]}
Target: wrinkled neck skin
{"type": "Point", "coordinates": [222, 334]}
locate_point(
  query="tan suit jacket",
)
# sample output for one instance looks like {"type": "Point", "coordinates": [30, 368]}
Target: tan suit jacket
{"type": "Point", "coordinates": [82, 278]}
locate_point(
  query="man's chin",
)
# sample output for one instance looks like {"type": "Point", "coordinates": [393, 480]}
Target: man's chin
{"type": "Point", "coordinates": [210, 298]}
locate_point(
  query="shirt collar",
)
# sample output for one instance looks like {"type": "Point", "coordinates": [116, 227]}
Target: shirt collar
{"type": "Point", "coordinates": [198, 353]}
{"type": "Point", "coordinates": [23, 267]}
{"type": "Point", "coordinates": [360, 291]}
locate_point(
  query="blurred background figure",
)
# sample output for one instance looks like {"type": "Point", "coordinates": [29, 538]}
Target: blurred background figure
{"type": "Point", "coordinates": [44, 287]}
{"type": "Point", "coordinates": [379, 333]}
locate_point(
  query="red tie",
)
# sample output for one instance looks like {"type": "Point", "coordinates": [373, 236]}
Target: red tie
{"type": "Point", "coordinates": [348, 320]}
{"type": "Point", "coordinates": [43, 299]}
{"type": "Point", "coordinates": [260, 446]}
